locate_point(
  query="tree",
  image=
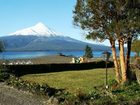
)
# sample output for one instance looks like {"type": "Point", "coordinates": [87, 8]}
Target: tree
{"type": "Point", "coordinates": [1, 46]}
{"type": "Point", "coordinates": [136, 47]}
{"type": "Point", "coordinates": [109, 19]}
{"type": "Point", "coordinates": [132, 27]}
{"type": "Point", "coordinates": [88, 52]}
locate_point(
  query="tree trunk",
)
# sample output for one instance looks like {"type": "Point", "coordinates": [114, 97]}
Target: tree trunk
{"type": "Point", "coordinates": [117, 70]}
{"type": "Point", "coordinates": [128, 58]}
{"type": "Point", "coordinates": [122, 62]}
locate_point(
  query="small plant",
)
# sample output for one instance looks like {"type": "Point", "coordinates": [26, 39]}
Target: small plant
{"type": "Point", "coordinates": [65, 97]}
{"type": "Point", "coordinates": [94, 95]}
{"type": "Point", "coordinates": [80, 95]}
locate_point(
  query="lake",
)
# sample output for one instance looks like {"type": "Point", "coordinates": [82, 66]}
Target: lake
{"type": "Point", "coordinates": [26, 55]}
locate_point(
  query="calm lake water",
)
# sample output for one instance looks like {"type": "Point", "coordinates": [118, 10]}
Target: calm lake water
{"type": "Point", "coordinates": [25, 55]}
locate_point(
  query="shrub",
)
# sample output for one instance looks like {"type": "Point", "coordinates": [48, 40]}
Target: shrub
{"type": "Point", "coordinates": [81, 95]}
{"type": "Point", "coordinates": [4, 75]}
{"type": "Point", "coordinates": [65, 97]}
{"type": "Point", "coordinates": [94, 95]}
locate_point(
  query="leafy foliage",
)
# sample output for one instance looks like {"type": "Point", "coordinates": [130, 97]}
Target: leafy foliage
{"type": "Point", "coordinates": [136, 47]}
{"type": "Point", "coordinates": [115, 20]}
{"type": "Point", "coordinates": [4, 74]}
{"type": "Point", "coordinates": [107, 19]}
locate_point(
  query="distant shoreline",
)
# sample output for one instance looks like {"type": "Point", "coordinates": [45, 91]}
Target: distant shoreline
{"type": "Point", "coordinates": [50, 59]}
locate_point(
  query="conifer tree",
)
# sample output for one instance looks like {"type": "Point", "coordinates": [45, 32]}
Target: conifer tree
{"type": "Point", "coordinates": [88, 52]}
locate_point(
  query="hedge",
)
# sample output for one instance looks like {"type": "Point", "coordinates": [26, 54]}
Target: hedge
{"type": "Point", "coordinates": [19, 70]}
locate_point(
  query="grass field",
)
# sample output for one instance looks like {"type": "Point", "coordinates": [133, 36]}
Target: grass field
{"type": "Point", "coordinates": [72, 81]}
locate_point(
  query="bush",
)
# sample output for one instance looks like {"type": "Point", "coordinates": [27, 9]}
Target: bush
{"type": "Point", "coordinates": [135, 72]}
{"type": "Point", "coordinates": [137, 62]}
{"type": "Point", "coordinates": [94, 95]}
{"type": "Point", "coordinates": [4, 75]}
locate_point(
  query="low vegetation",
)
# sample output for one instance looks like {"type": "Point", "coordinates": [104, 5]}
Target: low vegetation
{"type": "Point", "coordinates": [79, 88]}
{"type": "Point", "coordinates": [86, 87]}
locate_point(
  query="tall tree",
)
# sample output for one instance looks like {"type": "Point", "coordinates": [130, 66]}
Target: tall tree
{"type": "Point", "coordinates": [130, 29]}
{"type": "Point", "coordinates": [106, 19]}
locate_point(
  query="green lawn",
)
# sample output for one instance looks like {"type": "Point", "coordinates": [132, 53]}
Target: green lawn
{"type": "Point", "coordinates": [72, 81]}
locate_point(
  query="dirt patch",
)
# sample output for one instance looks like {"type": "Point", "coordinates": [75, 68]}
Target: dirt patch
{"type": "Point", "coordinates": [12, 96]}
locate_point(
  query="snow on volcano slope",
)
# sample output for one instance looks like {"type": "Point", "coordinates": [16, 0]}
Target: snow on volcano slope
{"type": "Point", "coordinates": [40, 37]}
{"type": "Point", "coordinates": [39, 30]}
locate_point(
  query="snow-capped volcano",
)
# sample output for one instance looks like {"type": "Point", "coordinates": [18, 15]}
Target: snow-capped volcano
{"type": "Point", "coordinates": [40, 38]}
{"type": "Point", "coordinates": [39, 29]}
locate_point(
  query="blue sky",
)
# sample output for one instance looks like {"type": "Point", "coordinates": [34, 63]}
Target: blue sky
{"type": "Point", "coordinates": [56, 14]}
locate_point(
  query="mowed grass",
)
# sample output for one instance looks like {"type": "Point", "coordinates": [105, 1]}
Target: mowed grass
{"type": "Point", "coordinates": [84, 80]}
